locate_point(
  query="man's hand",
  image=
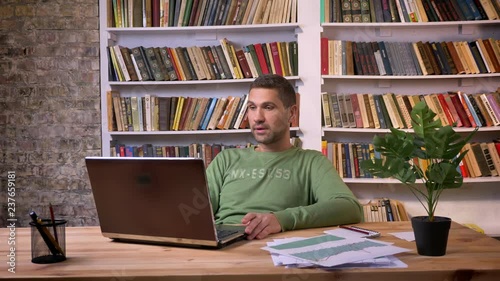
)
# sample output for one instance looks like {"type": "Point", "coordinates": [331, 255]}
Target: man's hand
{"type": "Point", "coordinates": [260, 225]}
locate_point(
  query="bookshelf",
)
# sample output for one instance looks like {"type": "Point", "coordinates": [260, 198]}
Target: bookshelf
{"type": "Point", "coordinates": [181, 36]}
{"type": "Point", "coordinates": [463, 204]}
{"type": "Point", "coordinates": [310, 84]}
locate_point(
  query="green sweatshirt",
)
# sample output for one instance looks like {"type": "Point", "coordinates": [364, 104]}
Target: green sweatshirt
{"type": "Point", "coordinates": [300, 187]}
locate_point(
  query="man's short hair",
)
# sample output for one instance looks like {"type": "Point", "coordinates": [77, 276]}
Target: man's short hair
{"type": "Point", "coordinates": [286, 91]}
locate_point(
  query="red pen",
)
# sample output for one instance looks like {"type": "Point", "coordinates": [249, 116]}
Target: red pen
{"type": "Point", "coordinates": [354, 229]}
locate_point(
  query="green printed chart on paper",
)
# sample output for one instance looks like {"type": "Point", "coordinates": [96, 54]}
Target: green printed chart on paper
{"type": "Point", "coordinates": [330, 250]}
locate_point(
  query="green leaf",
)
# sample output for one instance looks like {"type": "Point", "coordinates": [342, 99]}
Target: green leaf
{"type": "Point", "coordinates": [439, 145]}
{"type": "Point", "coordinates": [444, 175]}
{"type": "Point", "coordinates": [390, 167]}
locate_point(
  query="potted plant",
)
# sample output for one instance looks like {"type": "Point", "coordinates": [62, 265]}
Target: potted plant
{"type": "Point", "coordinates": [430, 155]}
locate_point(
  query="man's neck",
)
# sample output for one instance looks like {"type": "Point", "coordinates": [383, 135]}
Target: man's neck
{"type": "Point", "coordinates": [273, 148]}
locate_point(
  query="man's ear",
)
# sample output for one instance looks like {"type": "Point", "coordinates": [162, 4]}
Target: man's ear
{"type": "Point", "coordinates": [292, 112]}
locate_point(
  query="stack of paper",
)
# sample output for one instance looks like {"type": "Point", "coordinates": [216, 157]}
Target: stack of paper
{"type": "Point", "coordinates": [331, 250]}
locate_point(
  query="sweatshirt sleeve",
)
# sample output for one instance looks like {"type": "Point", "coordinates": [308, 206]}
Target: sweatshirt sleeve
{"type": "Point", "coordinates": [215, 180]}
{"type": "Point", "coordinates": [333, 203]}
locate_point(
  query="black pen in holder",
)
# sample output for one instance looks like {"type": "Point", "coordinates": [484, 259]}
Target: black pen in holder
{"type": "Point", "coordinates": [44, 247]}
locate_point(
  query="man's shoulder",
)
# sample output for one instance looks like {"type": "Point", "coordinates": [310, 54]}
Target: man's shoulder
{"type": "Point", "coordinates": [309, 152]}
{"type": "Point", "coordinates": [310, 158]}
{"type": "Point", "coordinates": [235, 151]}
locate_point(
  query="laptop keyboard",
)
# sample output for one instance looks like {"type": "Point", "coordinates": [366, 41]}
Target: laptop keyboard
{"type": "Point", "coordinates": [223, 233]}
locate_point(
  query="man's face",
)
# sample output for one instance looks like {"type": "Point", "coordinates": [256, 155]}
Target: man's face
{"type": "Point", "coordinates": [268, 118]}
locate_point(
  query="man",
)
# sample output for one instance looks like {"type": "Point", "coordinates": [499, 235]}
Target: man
{"type": "Point", "coordinates": [274, 186]}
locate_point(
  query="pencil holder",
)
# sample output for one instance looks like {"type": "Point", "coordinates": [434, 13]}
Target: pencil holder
{"type": "Point", "coordinates": [48, 241]}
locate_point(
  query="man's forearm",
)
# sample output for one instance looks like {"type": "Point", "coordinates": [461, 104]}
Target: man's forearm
{"type": "Point", "coordinates": [341, 210]}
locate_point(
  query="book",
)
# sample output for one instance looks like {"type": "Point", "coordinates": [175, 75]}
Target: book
{"type": "Point", "coordinates": [461, 56]}
{"type": "Point", "coordinates": [368, 108]}
{"type": "Point", "coordinates": [434, 98]}
{"type": "Point", "coordinates": [480, 159]}
{"type": "Point", "coordinates": [372, 111]}
{"type": "Point", "coordinates": [488, 106]}
{"type": "Point", "coordinates": [117, 111]}
{"type": "Point", "coordinates": [485, 56]}
{"type": "Point", "coordinates": [232, 113]}
{"type": "Point", "coordinates": [241, 113]}
{"type": "Point", "coordinates": [455, 57]}
{"type": "Point", "coordinates": [456, 120]}
{"type": "Point", "coordinates": [495, 59]}
{"type": "Point", "coordinates": [342, 111]}
{"type": "Point", "coordinates": [167, 62]}
{"type": "Point", "coordinates": [225, 114]}
{"type": "Point", "coordinates": [481, 121]}
{"type": "Point", "coordinates": [334, 110]}
{"type": "Point", "coordinates": [469, 110]}
{"type": "Point", "coordinates": [379, 111]}
{"type": "Point", "coordinates": [471, 162]}
{"type": "Point", "coordinates": [164, 113]}
{"type": "Point", "coordinates": [489, 159]}
{"type": "Point", "coordinates": [276, 58]}
{"type": "Point", "coordinates": [356, 11]}
{"type": "Point", "coordinates": [349, 111]}
{"type": "Point", "coordinates": [478, 59]}
{"type": "Point", "coordinates": [405, 111]}
{"type": "Point", "coordinates": [482, 108]}
{"type": "Point", "coordinates": [187, 113]}
{"type": "Point", "coordinates": [325, 109]}
{"type": "Point", "coordinates": [226, 68]}
{"type": "Point", "coordinates": [494, 100]}
{"type": "Point", "coordinates": [204, 62]}
{"type": "Point", "coordinates": [365, 11]}
{"type": "Point", "coordinates": [214, 59]}
{"type": "Point", "coordinates": [218, 112]}
{"type": "Point", "coordinates": [196, 63]}
{"type": "Point", "coordinates": [358, 110]}
{"type": "Point", "coordinates": [208, 113]}
{"type": "Point", "coordinates": [262, 60]}
{"type": "Point", "coordinates": [469, 58]}
{"type": "Point", "coordinates": [495, 158]}
{"type": "Point", "coordinates": [200, 111]}
{"type": "Point", "coordinates": [254, 59]}
{"type": "Point", "coordinates": [346, 11]}
{"type": "Point", "coordinates": [460, 109]}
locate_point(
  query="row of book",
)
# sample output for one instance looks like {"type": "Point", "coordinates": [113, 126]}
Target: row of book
{"type": "Point", "coordinates": [177, 113]}
{"type": "Point", "coordinates": [224, 61]}
{"type": "Point", "coordinates": [383, 210]}
{"type": "Point", "coordinates": [165, 13]}
{"type": "Point", "coordinates": [409, 58]}
{"type": "Point", "coordinates": [198, 150]}
{"type": "Point", "coordinates": [388, 110]}
{"type": "Point", "coordinates": [409, 10]}
{"type": "Point", "coordinates": [482, 160]}
{"type": "Point", "coordinates": [204, 151]}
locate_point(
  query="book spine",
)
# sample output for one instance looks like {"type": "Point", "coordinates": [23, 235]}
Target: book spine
{"type": "Point", "coordinates": [489, 109]}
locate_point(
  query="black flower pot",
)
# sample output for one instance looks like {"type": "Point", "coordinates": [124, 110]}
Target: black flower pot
{"type": "Point", "coordinates": [431, 237]}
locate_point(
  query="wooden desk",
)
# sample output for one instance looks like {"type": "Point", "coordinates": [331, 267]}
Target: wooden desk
{"type": "Point", "coordinates": [470, 256]}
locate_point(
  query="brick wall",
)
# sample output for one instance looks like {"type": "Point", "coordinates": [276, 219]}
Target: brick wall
{"type": "Point", "coordinates": [49, 106]}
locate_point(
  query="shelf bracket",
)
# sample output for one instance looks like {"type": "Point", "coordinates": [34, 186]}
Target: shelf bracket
{"type": "Point", "coordinates": [383, 31]}
{"type": "Point", "coordinates": [465, 29]}
{"type": "Point", "coordinates": [206, 35]}
{"type": "Point", "coordinates": [465, 82]}
{"type": "Point", "coordinates": [111, 38]}
{"type": "Point", "coordinates": [384, 83]}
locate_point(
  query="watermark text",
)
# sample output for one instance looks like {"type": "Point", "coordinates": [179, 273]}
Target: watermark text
{"type": "Point", "coordinates": [11, 221]}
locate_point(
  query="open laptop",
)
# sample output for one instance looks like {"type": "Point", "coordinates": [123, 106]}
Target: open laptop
{"type": "Point", "coordinates": [156, 200]}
